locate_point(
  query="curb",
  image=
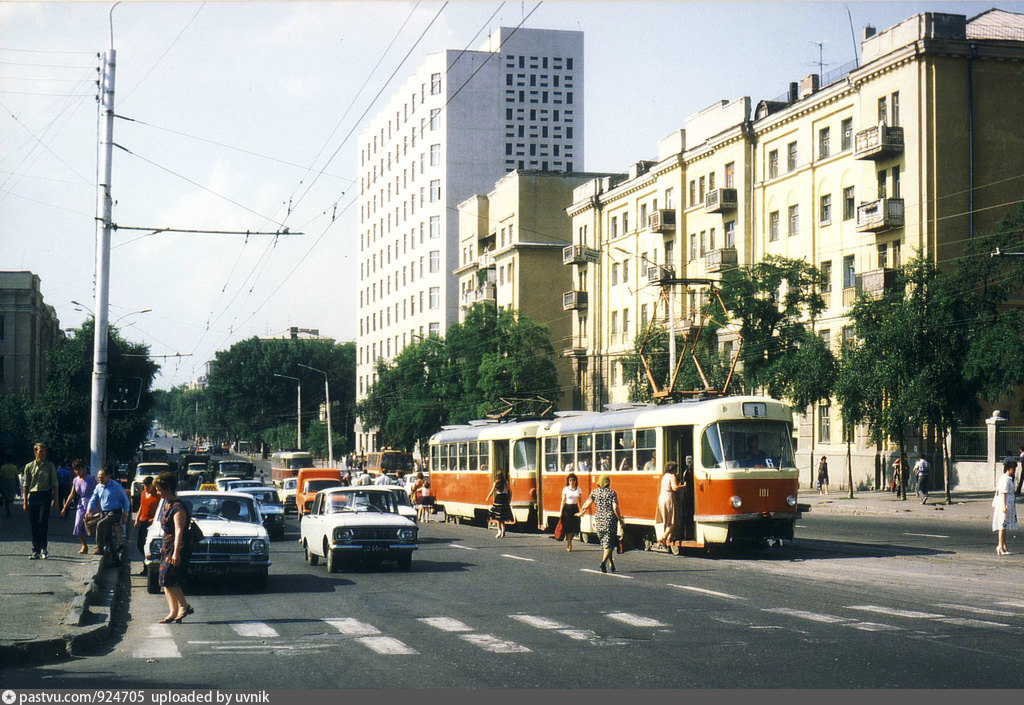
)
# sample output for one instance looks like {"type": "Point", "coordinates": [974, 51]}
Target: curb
{"type": "Point", "coordinates": [104, 592]}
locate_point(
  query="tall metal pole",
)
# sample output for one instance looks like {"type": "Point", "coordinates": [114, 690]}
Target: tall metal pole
{"type": "Point", "coordinates": [671, 333]}
{"type": "Point", "coordinates": [104, 207]}
{"type": "Point", "coordinates": [298, 420]}
{"type": "Point", "coordinates": [327, 394]}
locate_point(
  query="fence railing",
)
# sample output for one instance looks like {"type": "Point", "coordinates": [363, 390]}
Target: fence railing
{"type": "Point", "coordinates": [1009, 440]}
{"type": "Point", "coordinates": [970, 444]}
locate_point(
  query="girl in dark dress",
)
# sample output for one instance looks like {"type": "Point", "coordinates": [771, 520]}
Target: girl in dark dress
{"type": "Point", "coordinates": [606, 518]}
{"type": "Point", "coordinates": [175, 552]}
{"type": "Point", "coordinates": [501, 510]}
{"type": "Point", "coordinates": [570, 505]}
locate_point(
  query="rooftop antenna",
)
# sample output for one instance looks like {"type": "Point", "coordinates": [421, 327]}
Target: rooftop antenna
{"type": "Point", "coordinates": [821, 62]}
{"type": "Point", "coordinates": [853, 36]}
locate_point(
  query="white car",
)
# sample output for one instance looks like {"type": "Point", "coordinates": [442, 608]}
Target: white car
{"type": "Point", "coordinates": [357, 524]}
{"type": "Point", "coordinates": [234, 541]}
{"type": "Point", "coordinates": [405, 507]}
{"type": "Point", "coordinates": [287, 493]}
{"type": "Point", "coordinates": [227, 484]}
{"type": "Point", "coordinates": [270, 507]}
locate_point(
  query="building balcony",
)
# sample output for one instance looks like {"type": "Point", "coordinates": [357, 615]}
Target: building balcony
{"type": "Point", "coordinates": [575, 346]}
{"type": "Point", "coordinates": [878, 142]}
{"type": "Point", "coordinates": [574, 301]}
{"type": "Point", "coordinates": [485, 261]}
{"type": "Point", "coordinates": [880, 215]}
{"type": "Point", "coordinates": [662, 221]}
{"type": "Point", "coordinates": [720, 200]}
{"type": "Point", "coordinates": [850, 294]}
{"type": "Point", "coordinates": [578, 254]}
{"type": "Point", "coordinates": [875, 282]}
{"type": "Point", "coordinates": [484, 293]}
{"type": "Point", "coordinates": [717, 260]}
{"type": "Point", "coordinates": [660, 274]}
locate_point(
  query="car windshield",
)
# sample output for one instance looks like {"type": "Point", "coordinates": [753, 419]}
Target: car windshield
{"type": "Point", "coordinates": [748, 444]}
{"type": "Point", "coordinates": [239, 469]}
{"type": "Point", "coordinates": [264, 496]}
{"type": "Point", "coordinates": [290, 483]}
{"type": "Point", "coordinates": [361, 501]}
{"type": "Point", "coordinates": [317, 485]}
{"type": "Point", "coordinates": [401, 497]}
{"type": "Point", "coordinates": [211, 506]}
{"type": "Point", "coordinates": [150, 470]}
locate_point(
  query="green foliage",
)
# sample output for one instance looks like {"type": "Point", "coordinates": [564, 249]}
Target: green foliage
{"type": "Point", "coordinates": [61, 415]}
{"type": "Point", "coordinates": [15, 431]}
{"type": "Point", "coordinates": [437, 381]}
{"type": "Point", "coordinates": [656, 351]}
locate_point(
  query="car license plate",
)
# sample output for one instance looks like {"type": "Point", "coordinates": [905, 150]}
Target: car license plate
{"type": "Point", "coordinates": [374, 547]}
{"type": "Point", "coordinates": [209, 570]}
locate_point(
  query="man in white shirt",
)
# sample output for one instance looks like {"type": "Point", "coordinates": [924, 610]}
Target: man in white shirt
{"type": "Point", "coordinates": [922, 469]}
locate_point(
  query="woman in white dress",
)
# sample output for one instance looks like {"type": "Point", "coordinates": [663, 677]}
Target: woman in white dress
{"type": "Point", "coordinates": [1004, 509]}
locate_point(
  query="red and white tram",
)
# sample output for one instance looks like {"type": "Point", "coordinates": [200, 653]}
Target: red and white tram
{"type": "Point", "coordinates": [745, 480]}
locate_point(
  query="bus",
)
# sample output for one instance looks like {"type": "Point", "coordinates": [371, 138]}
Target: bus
{"type": "Point", "coordinates": [388, 461]}
{"type": "Point", "coordinates": [153, 455]}
{"type": "Point", "coordinates": [287, 463]}
{"type": "Point", "coordinates": [743, 490]}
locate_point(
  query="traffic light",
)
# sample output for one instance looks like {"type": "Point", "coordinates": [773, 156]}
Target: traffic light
{"type": "Point", "coordinates": [123, 394]}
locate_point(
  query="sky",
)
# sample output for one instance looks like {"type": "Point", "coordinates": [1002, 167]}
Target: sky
{"type": "Point", "coordinates": [243, 117]}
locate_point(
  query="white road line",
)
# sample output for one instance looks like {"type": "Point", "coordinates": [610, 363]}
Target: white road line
{"type": "Point", "coordinates": [1011, 603]}
{"type": "Point", "coordinates": [254, 629]}
{"type": "Point", "coordinates": [706, 592]}
{"type": "Point", "coordinates": [873, 627]}
{"type": "Point", "coordinates": [892, 612]}
{"type": "Point", "coordinates": [931, 536]}
{"type": "Point", "coordinates": [491, 643]}
{"type": "Point", "coordinates": [157, 648]}
{"type": "Point", "coordinates": [386, 645]}
{"type": "Point", "coordinates": [981, 623]}
{"type": "Point", "coordinates": [614, 575]}
{"type": "Point", "coordinates": [446, 624]}
{"type": "Point", "coordinates": [812, 616]}
{"type": "Point", "coordinates": [160, 631]}
{"type": "Point", "coordinates": [634, 620]}
{"type": "Point", "coordinates": [517, 558]}
{"type": "Point", "coordinates": [352, 627]}
{"type": "Point", "coordinates": [592, 637]}
{"type": "Point", "coordinates": [978, 610]}
{"type": "Point", "coordinates": [538, 622]}
{"type": "Point", "coordinates": [458, 545]}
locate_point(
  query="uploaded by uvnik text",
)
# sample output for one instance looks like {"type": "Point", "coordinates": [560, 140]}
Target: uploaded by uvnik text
{"type": "Point", "coordinates": [135, 696]}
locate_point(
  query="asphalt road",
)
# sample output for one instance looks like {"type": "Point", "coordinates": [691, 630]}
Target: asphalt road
{"type": "Point", "coordinates": [855, 602]}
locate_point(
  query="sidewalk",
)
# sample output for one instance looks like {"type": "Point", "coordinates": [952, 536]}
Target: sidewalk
{"type": "Point", "coordinates": [971, 506]}
{"type": "Point", "coordinates": [53, 608]}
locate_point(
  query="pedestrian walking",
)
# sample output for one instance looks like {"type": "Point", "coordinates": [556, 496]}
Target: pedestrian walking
{"type": "Point", "coordinates": [897, 475]}
{"type": "Point", "coordinates": [607, 518]}
{"type": "Point", "coordinates": [667, 510]}
{"type": "Point", "coordinates": [175, 519]}
{"type": "Point", "coordinates": [823, 476]}
{"type": "Point", "coordinates": [111, 502]}
{"type": "Point", "coordinates": [38, 496]}
{"type": "Point", "coordinates": [1004, 508]}
{"type": "Point", "coordinates": [571, 495]}
{"type": "Point", "coordinates": [82, 488]}
{"type": "Point", "coordinates": [426, 502]}
{"type": "Point", "coordinates": [501, 509]}
{"type": "Point", "coordinates": [922, 469]}
{"type": "Point", "coordinates": [1020, 461]}
{"type": "Point", "coordinates": [148, 501]}
{"type": "Point", "coordinates": [8, 481]}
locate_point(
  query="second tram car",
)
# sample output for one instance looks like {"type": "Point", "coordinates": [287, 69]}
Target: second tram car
{"type": "Point", "coordinates": [743, 489]}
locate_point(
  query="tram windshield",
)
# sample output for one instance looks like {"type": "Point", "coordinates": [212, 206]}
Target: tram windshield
{"type": "Point", "coordinates": [747, 444]}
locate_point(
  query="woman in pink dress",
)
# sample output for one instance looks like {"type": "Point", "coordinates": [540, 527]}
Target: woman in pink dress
{"type": "Point", "coordinates": [81, 490]}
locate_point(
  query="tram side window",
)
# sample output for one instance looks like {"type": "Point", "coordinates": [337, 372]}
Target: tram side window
{"type": "Point", "coordinates": [472, 456]}
{"type": "Point", "coordinates": [646, 449]}
{"type": "Point", "coordinates": [623, 450]}
{"type": "Point", "coordinates": [568, 462]}
{"type": "Point", "coordinates": [603, 445]}
{"type": "Point", "coordinates": [484, 450]}
{"type": "Point", "coordinates": [584, 452]}
{"type": "Point", "coordinates": [524, 455]}
{"type": "Point", "coordinates": [463, 456]}
{"type": "Point", "coordinates": [551, 455]}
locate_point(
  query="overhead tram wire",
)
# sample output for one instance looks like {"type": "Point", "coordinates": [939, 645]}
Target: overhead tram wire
{"type": "Point", "coordinates": [161, 57]}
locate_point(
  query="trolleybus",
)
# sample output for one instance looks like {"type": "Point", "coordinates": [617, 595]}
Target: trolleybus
{"type": "Point", "coordinates": [287, 463]}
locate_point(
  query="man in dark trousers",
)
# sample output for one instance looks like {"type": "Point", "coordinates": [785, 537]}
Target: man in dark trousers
{"type": "Point", "coordinates": [39, 495]}
{"type": "Point", "coordinates": [111, 501]}
{"type": "Point", "coordinates": [922, 469]}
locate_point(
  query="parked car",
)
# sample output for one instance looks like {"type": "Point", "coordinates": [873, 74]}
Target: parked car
{"type": "Point", "coordinates": [311, 481]}
{"type": "Point", "coordinates": [287, 493]}
{"type": "Point", "coordinates": [270, 507]}
{"type": "Point", "coordinates": [234, 542]}
{"type": "Point", "coordinates": [357, 524]}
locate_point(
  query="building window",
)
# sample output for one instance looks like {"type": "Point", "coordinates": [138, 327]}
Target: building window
{"type": "Point", "coordinates": [794, 221]}
{"type": "Point", "coordinates": [434, 329]}
{"type": "Point", "coordinates": [882, 112]}
{"type": "Point", "coordinates": [773, 226]}
{"type": "Point", "coordinates": [847, 129]}
{"type": "Point", "coordinates": [615, 273]}
{"type": "Point", "coordinates": [435, 83]}
{"type": "Point", "coordinates": [614, 226]}
{"type": "Point", "coordinates": [625, 223]}
{"type": "Point", "coordinates": [730, 233]}
{"type": "Point", "coordinates": [730, 175]}
{"type": "Point", "coordinates": [435, 261]}
{"type": "Point", "coordinates": [625, 272]}
{"type": "Point", "coordinates": [849, 274]}
{"type": "Point", "coordinates": [615, 323]}
{"type": "Point", "coordinates": [625, 324]}
{"type": "Point", "coordinates": [435, 118]}
{"type": "Point", "coordinates": [824, 138]}
{"type": "Point", "coordinates": [826, 273]}
{"type": "Point", "coordinates": [668, 199]}
{"type": "Point", "coordinates": [825, 214]}
{"type": "Point", "coordinates": [435, 297]}
{"type": "Point", "coordinates": [435, 226]}
{"type": "Point", "coordinates": [643, 316]}
{"type": "Point", "coordinates": [435, 190]}
{"type": "Point", "coordinates": [773, 163]}
{"type": "Point", "coordinates": [849, 206]}
{"type": "Point", "coordinates": [693, 192]}
{"type": "Point", "coordinates": [435, 153]}
{"type": "Point", "coordinates": [693, 246]}
{"type": "Point", "coordinates": [826, 337]}
{"type": "Point", "coordinates": [881, 183]}
{"type": "Point", "coordinates": [883, 258]}
{"type": "Point", "coordinates": [896, 182]}
{"type": "Point", "coordinates": [791, 156]}
{"type": "Point", "coordinates": [700, 189]}
{"type": "Point", "coordinates": [894, 106]}
{"type": "Point", "coordinates": [643, 215]}
{"type": "Point", "coordinates": [703, 242]}
{"type": "Point", "coordinates": [824, 423]}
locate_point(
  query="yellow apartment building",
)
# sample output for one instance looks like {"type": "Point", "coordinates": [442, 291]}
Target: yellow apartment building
{"type": "Point", "coordinates": [914, 149]}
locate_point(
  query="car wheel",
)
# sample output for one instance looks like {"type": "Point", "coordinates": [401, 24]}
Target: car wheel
{"type": "Point", "coordinates": [153, 580]}
{"type": "Point", "coordinates": [311, 558]}
{"type": "Point", "coordinates": [333, 561]}
{"type": "Point", "coordinates": [405, 562]}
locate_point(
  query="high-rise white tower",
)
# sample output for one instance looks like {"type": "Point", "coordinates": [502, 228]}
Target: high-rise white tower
{"type": "Point", "coordinates": [455, 126]}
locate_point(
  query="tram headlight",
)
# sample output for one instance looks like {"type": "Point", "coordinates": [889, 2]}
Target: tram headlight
{"type": "Point", "coordinates": [791, 500]}
{"type": "Point", "coordinates": [736, 501]}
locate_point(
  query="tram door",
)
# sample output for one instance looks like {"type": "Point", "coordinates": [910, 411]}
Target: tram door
{"type": "Point", "coordinates": [679, 445]}
{"type": "Point", "coordinates": [500, 460]}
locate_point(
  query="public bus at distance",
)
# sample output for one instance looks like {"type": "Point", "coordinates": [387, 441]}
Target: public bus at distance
{"type": "Point", "coordinates": [287, 463]}
{"type": "Point", "coordinates": [465, 461]}
{"type": "Point", "coordinates": [153, 455]}
{"type": "Point", "coordinates": [744, 488]}
{"type": "Point", "coordinates": [388, 461]}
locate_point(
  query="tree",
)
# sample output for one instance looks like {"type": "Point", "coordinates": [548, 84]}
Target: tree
{"type": "Point", "coordinates": [61, 415]}
{"type": "Point", "coordinates": [850, 391]}
{"type": "Point", "coordinates": [15, 431]}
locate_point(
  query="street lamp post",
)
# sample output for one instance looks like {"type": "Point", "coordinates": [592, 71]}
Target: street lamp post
{"type": "Point", "coordinates": [298, 404]}
{"type": "Point", "coordinates": [327, 394]}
